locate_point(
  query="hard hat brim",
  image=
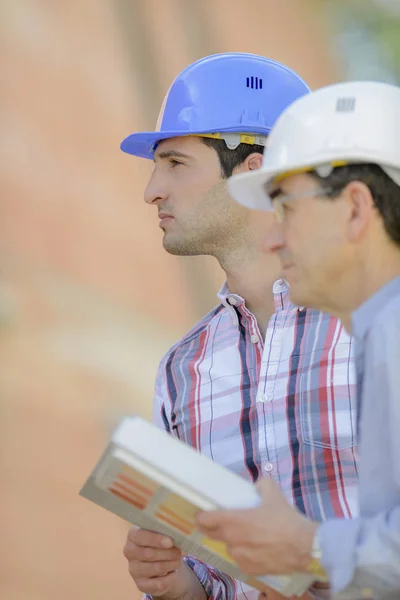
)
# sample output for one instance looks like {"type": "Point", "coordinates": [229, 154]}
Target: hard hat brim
{"type": "Point", "coordinates": [248, 189]}
{"type": "Point", "coordinates": [143, 144]}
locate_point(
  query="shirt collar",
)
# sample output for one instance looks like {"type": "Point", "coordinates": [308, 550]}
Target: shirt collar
{"type": "Point", "coordinates": [363, 317]}
{"type": "Point", "coordinates": [280, 290]}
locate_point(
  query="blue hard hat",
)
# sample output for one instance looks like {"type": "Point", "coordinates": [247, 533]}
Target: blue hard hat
{"type": "Point", "coordinates": [222, 93]}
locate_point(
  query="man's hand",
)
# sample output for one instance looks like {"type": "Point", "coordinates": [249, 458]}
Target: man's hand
{"type": "Point", "coordinates": [157, 568]}
{"type": "Point", "coordinates": [273, 538]}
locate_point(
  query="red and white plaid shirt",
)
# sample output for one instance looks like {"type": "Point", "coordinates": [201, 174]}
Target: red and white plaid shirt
{"type": "Point", "coordinates": [285, 406]}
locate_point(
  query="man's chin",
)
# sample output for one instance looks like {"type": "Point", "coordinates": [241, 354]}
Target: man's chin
{"type": "Point", "coordinates": [178, 248]}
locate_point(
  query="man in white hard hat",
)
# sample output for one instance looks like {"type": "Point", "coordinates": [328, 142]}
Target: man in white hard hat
{"type": "Point", "coordinates": [259, 385]}
{"type": "Point", "coordinates": [331, 172]}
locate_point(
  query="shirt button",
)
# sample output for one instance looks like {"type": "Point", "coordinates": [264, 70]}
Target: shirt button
{"type": "Point", "coordinates": [265, 398]}
{"type": "Point", "coordinates": [254, 339]}
{"type": "Point", "coordinates": [268, 467]}
{"type": "Point", "coordinates": [232, 300]}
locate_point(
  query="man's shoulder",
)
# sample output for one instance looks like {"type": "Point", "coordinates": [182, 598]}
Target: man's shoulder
{"type": "Point", "coordinates": [196, 331]}
{"type": "Point", "coordinates": [387, 322]}
{"type": "Point", "coordinates": [391, 311]}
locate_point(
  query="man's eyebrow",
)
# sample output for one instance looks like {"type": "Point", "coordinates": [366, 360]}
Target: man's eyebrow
{"type": "Point", "coordinates": [171, 154]}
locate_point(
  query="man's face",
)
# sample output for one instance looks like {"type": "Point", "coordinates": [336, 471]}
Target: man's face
{"type": "Point", "coordinates": [312, 242]}
{"type": "Point", "coordinates": [196, 213]}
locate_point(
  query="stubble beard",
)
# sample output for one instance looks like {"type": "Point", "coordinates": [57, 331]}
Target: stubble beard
{"type": "Point", "coordinates": [209, 235]}
{"type": "Point", "coordinates": [185, 247]}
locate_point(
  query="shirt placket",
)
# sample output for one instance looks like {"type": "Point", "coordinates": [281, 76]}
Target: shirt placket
{"type": "Point", "coordinates": [266, 397]}
{"type": "Point", "coordinates": [254, 352]}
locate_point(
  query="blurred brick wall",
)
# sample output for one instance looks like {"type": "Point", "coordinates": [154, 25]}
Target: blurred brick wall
{"type": "Point", "coordinates": [88, 299]}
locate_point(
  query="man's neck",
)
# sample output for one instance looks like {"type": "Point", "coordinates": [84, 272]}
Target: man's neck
{"type": "Point", "coordinates": [377, 276]}
{"type": "Point", "coordinates": [369, 277]}
{"type": "Point", "coordinates": [253, 281]}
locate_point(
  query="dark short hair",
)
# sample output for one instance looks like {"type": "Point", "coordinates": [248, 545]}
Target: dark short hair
{"type": "Point", "coordinates": [384, 191]}
{"type": "Point", "coordinates": [230, 159]}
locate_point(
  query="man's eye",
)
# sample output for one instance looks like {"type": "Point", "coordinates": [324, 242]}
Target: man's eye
{"type": "Point", "coordinates": [174, 163]}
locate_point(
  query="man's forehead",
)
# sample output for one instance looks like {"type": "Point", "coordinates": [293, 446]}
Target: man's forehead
{"type": "Point", "coordinates": [179, 142]}
{"type": "Point", "coordinates": [187, 145]}
{"type": "Point", "coordinates": [168, 141]}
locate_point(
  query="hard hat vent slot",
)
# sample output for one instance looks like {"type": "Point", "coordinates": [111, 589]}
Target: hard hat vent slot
{"type": "Point", "coordinates": [255, 83]}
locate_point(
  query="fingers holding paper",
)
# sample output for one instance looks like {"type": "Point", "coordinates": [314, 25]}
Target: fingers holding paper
{"type": "Point", "coordinates": [153, 561]}
{"type": "Point", "coordinates": [271, 539]}
{"type": "Point", "coordinates": [157, 567]}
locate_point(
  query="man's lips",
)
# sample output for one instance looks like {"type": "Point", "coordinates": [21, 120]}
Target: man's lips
{"type": "Point", "coordinates": [164, 218]}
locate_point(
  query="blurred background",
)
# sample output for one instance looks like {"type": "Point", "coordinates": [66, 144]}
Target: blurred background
{"type": "Point", "coordinates": [89, 301]}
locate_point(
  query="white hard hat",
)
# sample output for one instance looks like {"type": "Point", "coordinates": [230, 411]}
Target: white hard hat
{"type": "Point", "coordinates": [344, 123]}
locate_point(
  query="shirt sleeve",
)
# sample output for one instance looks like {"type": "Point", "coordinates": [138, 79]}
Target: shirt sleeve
{"type": "Point", "coordinates": [362, 556]}
{"type": "Point", "coordinates": [217, 585]}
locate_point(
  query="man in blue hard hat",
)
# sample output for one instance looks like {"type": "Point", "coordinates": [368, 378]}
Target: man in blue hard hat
{"type": "Point", "coordinates": [259, 385]}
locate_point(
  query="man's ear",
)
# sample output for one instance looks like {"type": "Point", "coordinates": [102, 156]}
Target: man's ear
{"type": "Point", "coordinates": [361, 209]}
{"type": "Point", "coordinates": [251, 163]}
{"type": "Point", "coordinates": [254, 161]}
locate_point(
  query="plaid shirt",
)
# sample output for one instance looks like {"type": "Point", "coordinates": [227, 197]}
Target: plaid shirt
{"type": "Point", "coordinates": [283, 407]}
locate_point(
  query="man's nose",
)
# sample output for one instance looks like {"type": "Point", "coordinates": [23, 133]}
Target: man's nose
{"type": "Point", "coordinates": [155, 192]}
